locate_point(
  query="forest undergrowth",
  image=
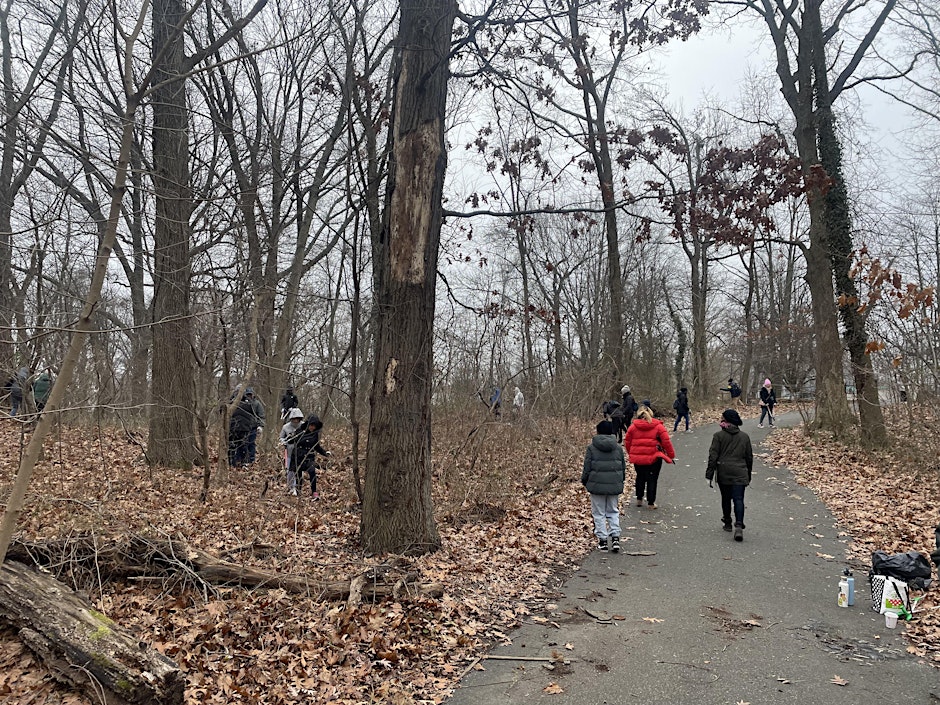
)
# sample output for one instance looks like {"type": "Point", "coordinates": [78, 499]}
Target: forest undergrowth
{"type": "Point", "coordinates": [513, 525]}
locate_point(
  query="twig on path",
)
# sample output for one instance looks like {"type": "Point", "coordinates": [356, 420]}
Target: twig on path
{"type": "Point", "coordinates": [468, 668]}
{"type": "Point", "coordinates": [499, 657]}
{"type": "Point", "coordinates": [692, 665]}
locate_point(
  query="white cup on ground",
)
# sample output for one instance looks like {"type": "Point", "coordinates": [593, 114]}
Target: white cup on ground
{"type": "Point", "coordinates": [891, 620]}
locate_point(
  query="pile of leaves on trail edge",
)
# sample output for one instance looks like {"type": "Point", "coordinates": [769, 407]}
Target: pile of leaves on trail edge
{"type": "Point", "coordinates": [508, 505]}
{"type": "Point", "coordinates": [885, 499]}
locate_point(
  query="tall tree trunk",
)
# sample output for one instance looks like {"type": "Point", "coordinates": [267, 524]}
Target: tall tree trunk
{"type": "Point", "coordinates": [744, 376]}
{"type": "Point", "coordinates": [699, 286]}
{"type": "Point", "coordinates": [528, 353]}
{"type": "Point", "coordinates": [832, 410]}
{"type": "Point", "coordinates": [172, 391]}
{"type": "Point", "coordinates": [397, 513]}
{"type": "Point", "coordinates": [839, 241]}
{"type": "Point", "coordinates": [594, 99]}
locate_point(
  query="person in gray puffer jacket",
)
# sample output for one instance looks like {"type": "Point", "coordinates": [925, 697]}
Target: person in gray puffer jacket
{"type": "Point", "coordinates": [730, 463]}
{"type": "Point", "coordinates": [602, 476]}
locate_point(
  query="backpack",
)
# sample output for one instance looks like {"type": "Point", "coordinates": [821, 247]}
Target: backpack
{"type": "Point", "coordinates": [675, 404]}
{"type": "Point", "coordinates": [735, 389]}
{"type": "Point", "coordinates": [609, 407]}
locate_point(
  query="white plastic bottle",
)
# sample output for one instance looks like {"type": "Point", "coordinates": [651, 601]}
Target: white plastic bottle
{"type": "Point", "coordinates": [843, 592]}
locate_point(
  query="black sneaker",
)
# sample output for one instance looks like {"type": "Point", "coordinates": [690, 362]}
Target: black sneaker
{"type": "Point", "coordinates": [602, 544]}
{"type": "Point", "coordinates": [726, 525]}
{"type": "Point", "coordinates": [738, 533]}
{"type": "Point", "coordinates": [615, 544]}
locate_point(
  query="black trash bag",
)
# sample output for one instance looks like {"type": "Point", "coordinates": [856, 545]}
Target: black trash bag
{"type": "Point", "coordinates": [911, 567]}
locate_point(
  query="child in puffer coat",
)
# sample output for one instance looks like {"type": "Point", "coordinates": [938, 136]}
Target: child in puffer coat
{"type": "Point", "coordinates": [603, 477]}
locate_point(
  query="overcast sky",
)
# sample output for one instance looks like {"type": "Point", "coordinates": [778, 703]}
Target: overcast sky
{"type": "Point", "coordinates": [717, 61]}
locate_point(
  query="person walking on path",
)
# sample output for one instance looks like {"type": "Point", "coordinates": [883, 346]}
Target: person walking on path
{"type": "Point", "coordinates": [42, 388]}
{"type": "Point", "coordinates": [288, 403]}
{"type": "Point", "coordinates": [734, 389]}
{"type": "Point", "coordinates": [647, 442]}
{"type": "Point", "coordinates": [767, 402]}
{"type": "Point", "coordinates": [630, 407]}
{"type": "Point", "coordinates": [681, 405]}
{"type": "Point", "coordinates": [617, 418]}
{"type": "Point", "coordinates": [603, 477]}
{"type": "Point", "coordinates": [730, 464]}
{"type": "Point", "coordinates": [304, 456]}
{"type": "Point", "coordinates": [295, 418]}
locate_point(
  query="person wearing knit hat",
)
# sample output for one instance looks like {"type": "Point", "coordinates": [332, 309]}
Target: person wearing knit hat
{"type": "Point", "coordinates": [629, 407]}
{"type": "Point", "coordinates": [603, 476]}
{"type": "Point", "coordinates": [767, 401]}
{"type": "Point", "coordinates": [730, 464]}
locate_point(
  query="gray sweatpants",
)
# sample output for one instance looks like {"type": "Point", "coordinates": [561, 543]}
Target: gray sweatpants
{"type": "Point", "coordinates": [606, 515]}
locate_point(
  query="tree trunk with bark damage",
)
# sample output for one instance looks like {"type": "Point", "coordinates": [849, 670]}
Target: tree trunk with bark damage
{"type": "Point", "coordinates": [397, 511]}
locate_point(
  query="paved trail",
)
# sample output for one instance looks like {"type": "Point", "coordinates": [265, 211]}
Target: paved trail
{"type": "Point", "coordinates": [708, 621]}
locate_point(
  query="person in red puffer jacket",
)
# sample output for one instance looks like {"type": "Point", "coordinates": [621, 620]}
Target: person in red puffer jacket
{"type": "Point", "coordinates": [647, 443]}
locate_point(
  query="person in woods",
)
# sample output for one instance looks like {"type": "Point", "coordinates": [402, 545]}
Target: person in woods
{"type": "Point", "coordinates": [307, 446]}
{"type": "Point", "coordinates": [288, 402]}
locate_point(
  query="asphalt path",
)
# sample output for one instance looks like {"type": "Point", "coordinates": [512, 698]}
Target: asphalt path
{"type": "Point", "coordinates": [701, 619]}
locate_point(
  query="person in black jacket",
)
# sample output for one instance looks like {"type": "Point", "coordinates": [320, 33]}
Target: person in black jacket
{"type": "Point", "coordinates": [681, 405]}
{"type": "Point", "coordinates": [630, 407]}
{"type": "Point", "coordinates": [306, 446]}
{"type": "Point", "coordinates": [243, 422]}
{"type": "Point", "coordinates": [288, 401]}
{"type": "Point", "coordinates": [730, 463]}
{"type": "Point", "coordinates": [603, 476]}
{"type": "Point", "coordinates": [734, 389]}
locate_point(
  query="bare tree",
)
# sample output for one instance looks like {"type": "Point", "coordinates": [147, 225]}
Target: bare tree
{"type": "Point", "coordinates": [811, 82]}
{"type": "Point", "coordinates": [568, 72]}
{"type": "Point", "coordinates": [172, 439]}
{"type": "Point", "coordinates": [24, 133]}
{"type": "Point", "coordinates": [397, 512]}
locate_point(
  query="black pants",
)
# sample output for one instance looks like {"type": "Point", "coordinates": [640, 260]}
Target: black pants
{"type": "Point", "coordinates": [732, 494]}
{"type": "Point", "coordinates": [647, 478]}
{"type": "Point", "coordinates": [617, 421]}
{"type": "Point", "coordinates": [311, 470]}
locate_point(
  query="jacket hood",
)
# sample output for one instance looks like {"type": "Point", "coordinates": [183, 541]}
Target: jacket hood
{"type": "Point", "coordinates": [605, 443]}
{"type": "Point", "coordinates": [731, 428]}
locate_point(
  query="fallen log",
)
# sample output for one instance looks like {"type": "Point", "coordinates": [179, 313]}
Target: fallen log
{"type": "Point", "coordinates": [137, 556]}
{"type": "Point", "coordinates": [82, 647]}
